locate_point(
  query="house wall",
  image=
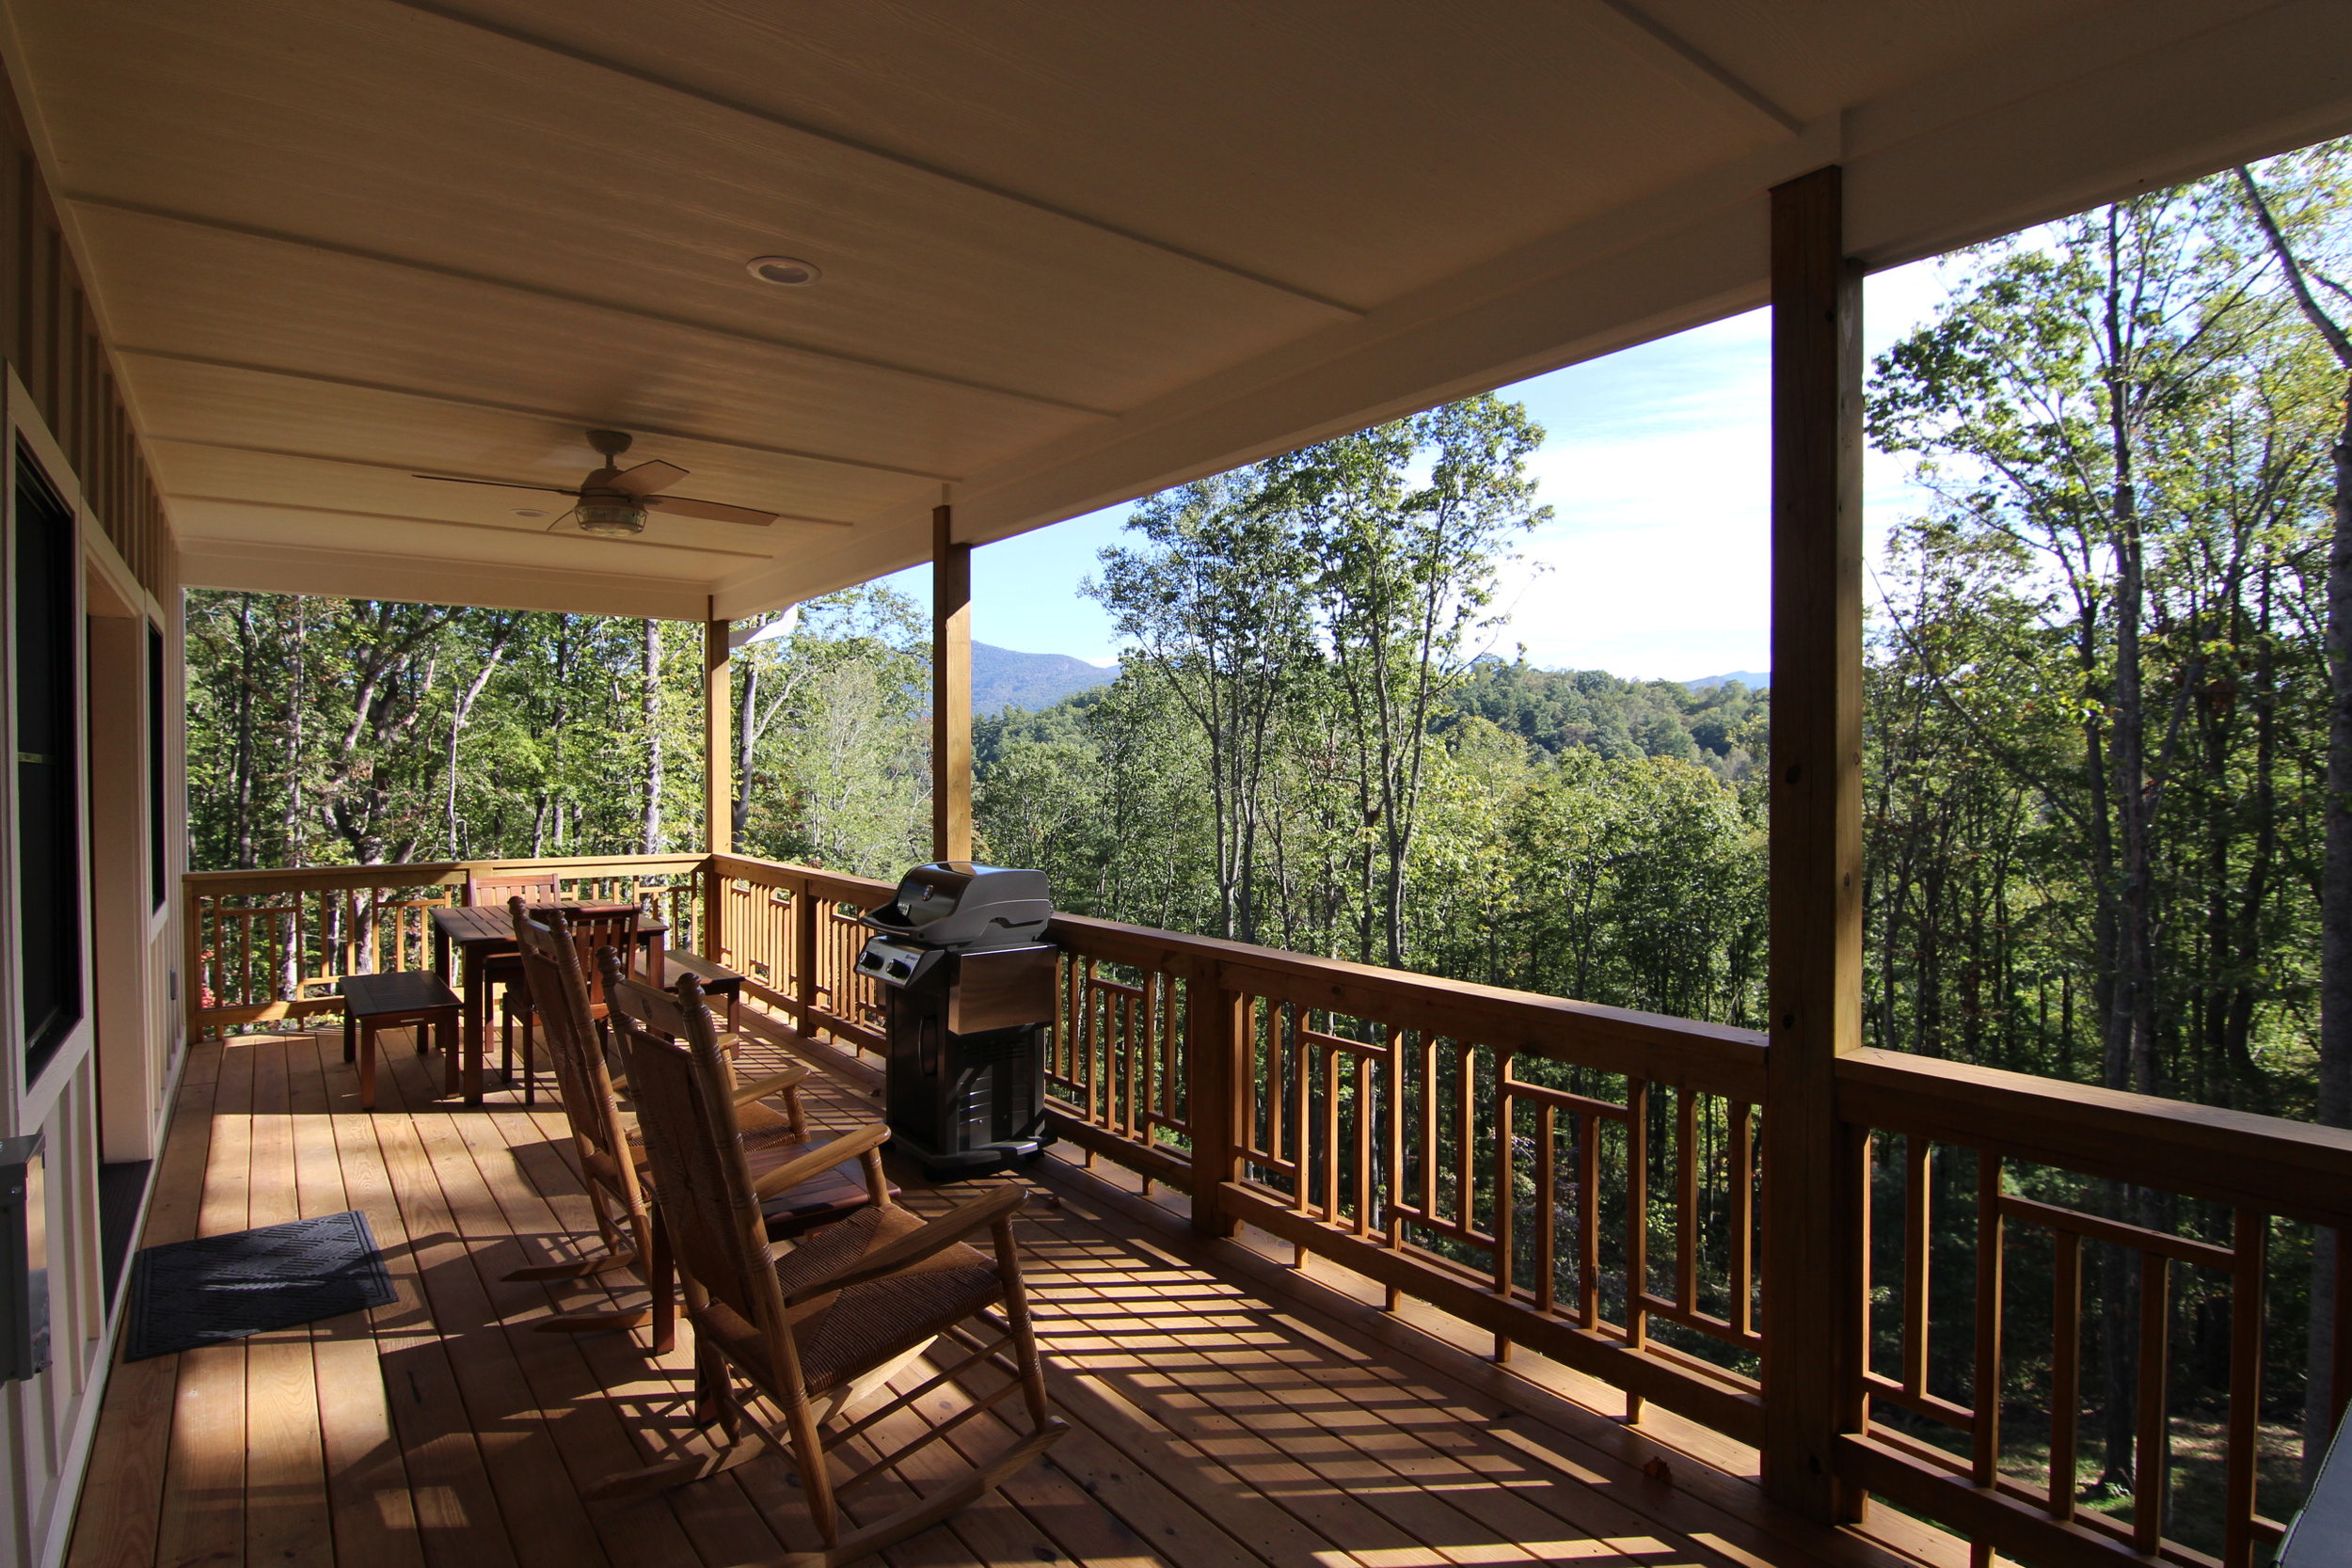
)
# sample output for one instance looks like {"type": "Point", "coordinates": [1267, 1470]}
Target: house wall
{"type": "Point", "coordinates": [104, 1096]}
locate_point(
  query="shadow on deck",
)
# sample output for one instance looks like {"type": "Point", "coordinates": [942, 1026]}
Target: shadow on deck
{"type": "Point", "coordinates": [1226, 1410]}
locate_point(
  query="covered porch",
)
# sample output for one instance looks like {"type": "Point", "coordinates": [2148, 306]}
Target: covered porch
{"type": "Point", "coordinates": [1338, 1264]}
{"type": "Point", "coordinates": [1226, 1409]}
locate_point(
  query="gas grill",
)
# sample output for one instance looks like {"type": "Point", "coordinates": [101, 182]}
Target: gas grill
{"type": "Point", "coordinates": [967, 991]}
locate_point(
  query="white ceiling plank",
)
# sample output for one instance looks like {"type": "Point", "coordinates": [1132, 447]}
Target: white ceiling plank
{"type": "Point", "coordinates": [1071, 254]}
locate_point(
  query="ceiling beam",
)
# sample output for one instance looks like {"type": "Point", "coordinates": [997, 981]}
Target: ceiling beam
{"type": "Point", "coordinates": [565, 296]}
{"type": "Point", "coordinates": [452, 522]}
{"type": "Point", "coordinates": [936, 171]}
{"type": "Point", "coordinates": [254, 566]}
{"type": "Point", "coordinates": [573, 420]}
{"type": "Point", "coordinates": [410, 470]}
{"type": "Point", "coordinates": [1699, 61]}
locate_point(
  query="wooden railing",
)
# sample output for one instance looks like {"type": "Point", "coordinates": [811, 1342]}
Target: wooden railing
{"type": "Point", "coordinates": [1585, 1182]}
{"type": "Point", "coordinates": [1376, 1118]}
{"type": "Point", "coordinates": [270, 944]}
{"type": "Point", "coordinates": [794, 932]}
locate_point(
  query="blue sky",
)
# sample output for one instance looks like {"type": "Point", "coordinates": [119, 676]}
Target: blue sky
{"type": "Point", "coordinates": [1653, 564]}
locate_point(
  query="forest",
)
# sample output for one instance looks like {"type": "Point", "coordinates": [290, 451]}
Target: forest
{"type": "Point", "coordinates": [2104, 680]}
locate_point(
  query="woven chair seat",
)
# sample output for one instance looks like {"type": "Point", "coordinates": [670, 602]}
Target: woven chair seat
{"type": "Point", "coordinates": [868, 1323]}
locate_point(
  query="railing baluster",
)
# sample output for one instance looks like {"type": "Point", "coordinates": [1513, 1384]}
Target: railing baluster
{"type": "Point", "coordinates": [2151, 1450]}
{"type": "Point", "coordinates": [1741, 1159]}
{"type": "Point", "coordinates": [1919, 1195]}
{"type": "Point", "coordinates": [1428, 1124]}
{"type": "Point", "coordinates": [1636, 1225]}
{"type": "Point", "coordinates": [1686, 1200]}
{"type": "Point", "coordinates": [1587, 1220]}
{"type": "Point", "coordinates": [1506, 1189]}
{"type": "Point", "coordinates": [1546, 1198]}
{"type": "Point", "coordinates": [1985, 1450]}
{"type": "Point", "coordinates": [2066, 1346]}
{"type": "Point", "coordinates": [1330, 1131]}
{"type": "Point", "coordinates": [1393, 1115]}
{"type": "Point", "coordinates": [1465, 1176]}
{"type": "Point", "coordinates": [1363, 1145]}
{"type": "Point", "coordinates": [2249, 1239]}
{"type": "Point", "coordinates": [1302, 1090]}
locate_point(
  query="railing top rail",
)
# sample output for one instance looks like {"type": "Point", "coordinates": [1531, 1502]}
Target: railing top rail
{"type": "Point", "coordinates": [2293, 1168]}
{"type": "Point", "coordinates": [1712, 1056]}
{"type": "Point", "coordinates": [426, 873]}
{"type": "Point", "coordinates": [824, 884]}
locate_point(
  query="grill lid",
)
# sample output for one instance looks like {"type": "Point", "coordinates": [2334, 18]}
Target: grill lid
{"type": "Point", "coordinates": [965, 905]}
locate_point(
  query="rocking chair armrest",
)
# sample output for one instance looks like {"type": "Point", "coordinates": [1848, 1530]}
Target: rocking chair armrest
{"type": "Point", "coordinates": [775, 1083]}
{"type": "Point", "coordinates": [822, 1157]}
{"type": "Point", "coordinates": [908, 1250]}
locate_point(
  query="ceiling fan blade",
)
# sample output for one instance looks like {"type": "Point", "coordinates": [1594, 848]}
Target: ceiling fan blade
{"type": "Point", "coordinates": [718, 512]}
{"type": "Point", "coordinates": [645, 478]}
{"type": "Point", "coordinates": [501, 483]}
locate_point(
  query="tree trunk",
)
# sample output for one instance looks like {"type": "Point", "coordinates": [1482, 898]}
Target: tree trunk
{"type": "Point", "coordinates": [746, 743]}
{"type": "Point", "coordinates": [652, 835]}
{"type": "Point", "coordinates": [2335, 941]}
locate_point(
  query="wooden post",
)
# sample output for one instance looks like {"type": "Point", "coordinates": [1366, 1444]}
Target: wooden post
{"type": "Point", "coordinates": [804, 958]}
{"type": "Point", "coordinates": [951, 692]}
{"type": "Point", "coordinates": [1813, 1253]}
{"type": "Point", "coordinates": [1212, 1048]}
{"type": "Point", "coordinates": [718, 740]}
{"type": "Point", "coordinates": [717, 780]}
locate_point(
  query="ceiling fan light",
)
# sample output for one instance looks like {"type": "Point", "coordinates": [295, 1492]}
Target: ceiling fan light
{"type": "Point", "coordinates": [610, 516]}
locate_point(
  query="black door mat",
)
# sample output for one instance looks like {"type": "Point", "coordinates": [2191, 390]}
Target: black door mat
{"type": "Point", "coordinates": [208, 1291]}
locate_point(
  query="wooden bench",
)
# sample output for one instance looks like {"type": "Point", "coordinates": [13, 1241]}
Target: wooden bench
{"type": "Point", "coordinates": [717, 980]}
{"type": "Point", "coordinates": [373, 1002]}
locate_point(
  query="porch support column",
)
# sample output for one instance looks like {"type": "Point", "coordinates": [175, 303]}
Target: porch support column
{"type": "Point", "coordinates": [1813, 1242]}
{"type": "Point", "coordinates": [951, 691]}
{"type": "Point", "coordinates": [717, 738]}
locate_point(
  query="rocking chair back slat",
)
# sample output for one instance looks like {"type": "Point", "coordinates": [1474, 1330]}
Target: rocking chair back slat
{"type": "Point", "coordinates": [550, 960]}
{"type": "Point", "coordinates": [682, 1085]}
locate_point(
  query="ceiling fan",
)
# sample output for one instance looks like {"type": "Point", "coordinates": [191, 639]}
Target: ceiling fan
{"type": "Point", "coordinates": [614, 500]}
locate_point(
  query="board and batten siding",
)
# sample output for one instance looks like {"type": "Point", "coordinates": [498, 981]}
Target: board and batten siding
{"type": "Point", "coordinates": [105, 1092]}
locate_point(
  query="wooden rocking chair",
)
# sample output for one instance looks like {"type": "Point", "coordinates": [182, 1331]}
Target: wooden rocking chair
{"type": "Point", "coordinates": [612, 1161]}
{"type": "Point", "coordinates": [820, 1328]}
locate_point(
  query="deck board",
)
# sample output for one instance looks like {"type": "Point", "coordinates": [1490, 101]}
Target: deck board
{"type": "Point", "coordinates": [1225, 1414]}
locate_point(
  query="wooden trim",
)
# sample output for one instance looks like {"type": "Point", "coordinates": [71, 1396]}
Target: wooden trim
{"type": "Point", "coordinates": [951, 691]}
{"type": "Point", "coordinates": [1812, 1188]}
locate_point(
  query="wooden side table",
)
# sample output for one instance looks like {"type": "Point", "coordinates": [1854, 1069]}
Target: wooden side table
{"type": "Point", "coordinates": [717, 980]}
{"type": "Point", "coordinates": [373, 1002]}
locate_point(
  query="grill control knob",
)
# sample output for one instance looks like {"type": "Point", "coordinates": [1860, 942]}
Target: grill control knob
{"type": "Point", "coordinates": [901, 968]}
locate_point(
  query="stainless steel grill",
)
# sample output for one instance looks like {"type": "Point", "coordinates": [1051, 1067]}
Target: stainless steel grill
{"type": "Point", "coordinates": [967, 991]}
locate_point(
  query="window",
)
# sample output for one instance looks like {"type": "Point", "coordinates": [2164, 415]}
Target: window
{"type": "Point", "coordinates": [48, 823]}
{"type": "Point", "coordinates": [155, 830]}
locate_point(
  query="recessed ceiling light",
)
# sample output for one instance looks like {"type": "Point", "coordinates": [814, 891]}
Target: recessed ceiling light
{"type": "Point", "coordinates": [789, 271]}
{"type": "Point", "coordinates": [529, 512]}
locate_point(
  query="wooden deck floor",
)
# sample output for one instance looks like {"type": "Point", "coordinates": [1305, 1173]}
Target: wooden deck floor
{"type": "Point", "coordinates": [1224, 1416]}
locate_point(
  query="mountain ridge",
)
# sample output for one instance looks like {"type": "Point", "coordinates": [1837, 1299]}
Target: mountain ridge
{"type": "Point", "coordinates": [1006, 679]}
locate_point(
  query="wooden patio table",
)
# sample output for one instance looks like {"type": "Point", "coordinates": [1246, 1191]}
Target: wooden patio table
{"type": "Point", "coordinates": [482, 931]}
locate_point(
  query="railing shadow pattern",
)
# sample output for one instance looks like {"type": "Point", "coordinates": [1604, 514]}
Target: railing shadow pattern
{"type": "Point", "coordinates": [1587, 1182]}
